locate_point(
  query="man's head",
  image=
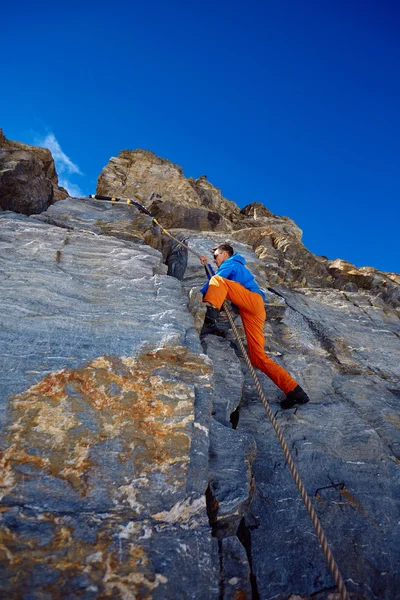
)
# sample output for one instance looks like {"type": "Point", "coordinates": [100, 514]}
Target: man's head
{"type": "Point", "coordinates": [221, 253]}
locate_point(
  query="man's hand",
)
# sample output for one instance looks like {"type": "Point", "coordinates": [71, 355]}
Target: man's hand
{"type": "Point", "coordinates": [204, 260]}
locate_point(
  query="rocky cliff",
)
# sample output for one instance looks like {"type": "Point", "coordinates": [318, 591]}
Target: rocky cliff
{"type": "Point", "coordinates": [137, 460]}
{"type": "Point", "coordinates": [28, 178]}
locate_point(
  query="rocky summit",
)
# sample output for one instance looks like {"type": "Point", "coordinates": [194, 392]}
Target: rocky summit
{"type": "Point", "coordinates": [28, 178]}
{"type": "Point", "coordinates": [137, 460]}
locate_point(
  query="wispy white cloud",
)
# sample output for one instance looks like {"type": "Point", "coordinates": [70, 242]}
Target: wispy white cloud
{"type": "Point", "coordinates": [64, 164]}
{"type": "Point", "coordinates": [73, 190]}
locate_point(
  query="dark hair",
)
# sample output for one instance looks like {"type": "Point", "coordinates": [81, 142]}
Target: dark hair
{"type": "Point", "coordinates": [225, 248]}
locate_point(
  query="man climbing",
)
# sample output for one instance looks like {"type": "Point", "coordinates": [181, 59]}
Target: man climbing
{"type": "Point", "coordinates": [235, 282]}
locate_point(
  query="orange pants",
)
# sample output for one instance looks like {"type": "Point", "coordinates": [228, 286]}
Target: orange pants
{"type": "Point", "coordinates": [252, 312]}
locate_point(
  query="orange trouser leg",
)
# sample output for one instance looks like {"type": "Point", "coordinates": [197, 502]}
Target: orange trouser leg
{"type": "Point", "coordinates": [252, 312]}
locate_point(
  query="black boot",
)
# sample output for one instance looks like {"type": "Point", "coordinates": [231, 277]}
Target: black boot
{"type": "Point", "coordinates": [212, 324]}
{"type": "Point", "coordinates": [296, 396]}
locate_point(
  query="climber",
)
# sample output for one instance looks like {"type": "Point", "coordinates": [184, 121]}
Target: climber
{"type": "Point", "coordinates": [235, 282]}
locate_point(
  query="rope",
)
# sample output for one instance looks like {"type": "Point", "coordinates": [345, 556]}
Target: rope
{"type": "Point", "coordinates": [307, 502]}
{"type": "Point", "coordinates": [311, 511]}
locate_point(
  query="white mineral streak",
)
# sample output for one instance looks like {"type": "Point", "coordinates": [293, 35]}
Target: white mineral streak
{"type": "Point", "coordinates": [182, 423]}
{"type": "Point", "coordinates": [94, 558]}
{"type": "Point", "coordinates": [125, 590]}
{"type": "Point", "coordinates": [76, 463]}
{"type": "Point", "coordinates": [131, 529]}
{"type": "Point", "coordinates": [130, 494]}
{"type": "Point", "coordinates": [182, 512]}
{"type": "Point", "coordinates": [7, 552]}
{"type": "Point", "coordinates": [183, 404]}
{"type": "Point", "coordinates": [201, 427]}
{"type": "Point", "coordinates": [7, 477]}
{"type": "Point", "coordinates": [147, 533]}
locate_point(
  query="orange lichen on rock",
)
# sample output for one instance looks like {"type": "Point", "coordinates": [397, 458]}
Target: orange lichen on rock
{"type": "Point", "coordinates": [145, 403]}
{"type": "Point", "coordinates": [118, 431]}
{"type": "Point", "coordinates": [350, 498]}
{"type": "Point", "coordinates": [118, 568]}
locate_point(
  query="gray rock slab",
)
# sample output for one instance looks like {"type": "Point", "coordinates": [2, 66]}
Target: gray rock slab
{"type": "Point", "coordinates": [362, 337]}
{"type": "Point", "coordinates": [69, 297]}
{"type": "Point", "coordinates": [106, 406]}
{"type": "Point", "coordinates": [118, 220]}
{"type": "Point", "coordinates": [231, 456]}
{"type": "Point", "coordinates": [106, 555]}
{"type": "Point", "coordinates": [343, 449]}
{"type": "Point", "coordinates": [235, 571]}
{"type": "Point", "coordinates": [227, 378]}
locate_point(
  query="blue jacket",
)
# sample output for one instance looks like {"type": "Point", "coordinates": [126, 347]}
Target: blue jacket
{"type": "Point", "coordinates": [233, 268]}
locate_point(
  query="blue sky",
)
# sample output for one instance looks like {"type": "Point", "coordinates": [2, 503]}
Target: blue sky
{"type": "Point", "coordinates": [293, 104]}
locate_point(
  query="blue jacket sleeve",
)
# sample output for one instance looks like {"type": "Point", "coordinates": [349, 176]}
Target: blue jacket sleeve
{"type": "Point", "coordinates": [207, 273]}
{"type": "Point", "coordinates": [205, 287]}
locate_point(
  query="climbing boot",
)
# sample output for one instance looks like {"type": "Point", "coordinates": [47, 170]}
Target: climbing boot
{"type": "Point", "coordinates": [211, 306]}
{"type": "Point", "coordinates": [296, 396]}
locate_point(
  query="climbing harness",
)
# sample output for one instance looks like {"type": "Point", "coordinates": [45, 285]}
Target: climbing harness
{"type": "Point", "coordinates": [307, 502]}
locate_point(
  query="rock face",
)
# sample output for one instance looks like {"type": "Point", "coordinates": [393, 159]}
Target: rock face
{"type": "Point", "coordinates": [256, 214]}
{"type": "Point", "coordinates": [142, 174]}
{"type": "Point", "coordinates": [28, 179]}
{"type": "Point", "coordinates": [137, 460]}
{"type": "Point", "coordinates": [105, 455]}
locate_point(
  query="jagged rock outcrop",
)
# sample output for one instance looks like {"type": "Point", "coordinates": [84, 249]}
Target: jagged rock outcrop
{"type": "Point", "coordinates": [137, 458]}
{"type": "Point", "coordinates": [191, 204]}
{"type": "Point", "coordinates": [28, 178]}
{"type": "Point", "coordinates": [211, 197]}
{"type": "Point", "coordinates": [285, 258]}
{"type": "Point", "coordinates": [197, 219]}
{"type": "Point", "coordinates": [348, 278]}
{"type": "Point", "coordinates": [142, 174]}
{"type": "Point", "coordinates": [256, 214]}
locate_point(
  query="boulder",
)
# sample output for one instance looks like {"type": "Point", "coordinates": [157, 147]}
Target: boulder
{"type": "Point", "coordinates": [142, 174]}
{"type": "Point", "coordinates": [28, 179]}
